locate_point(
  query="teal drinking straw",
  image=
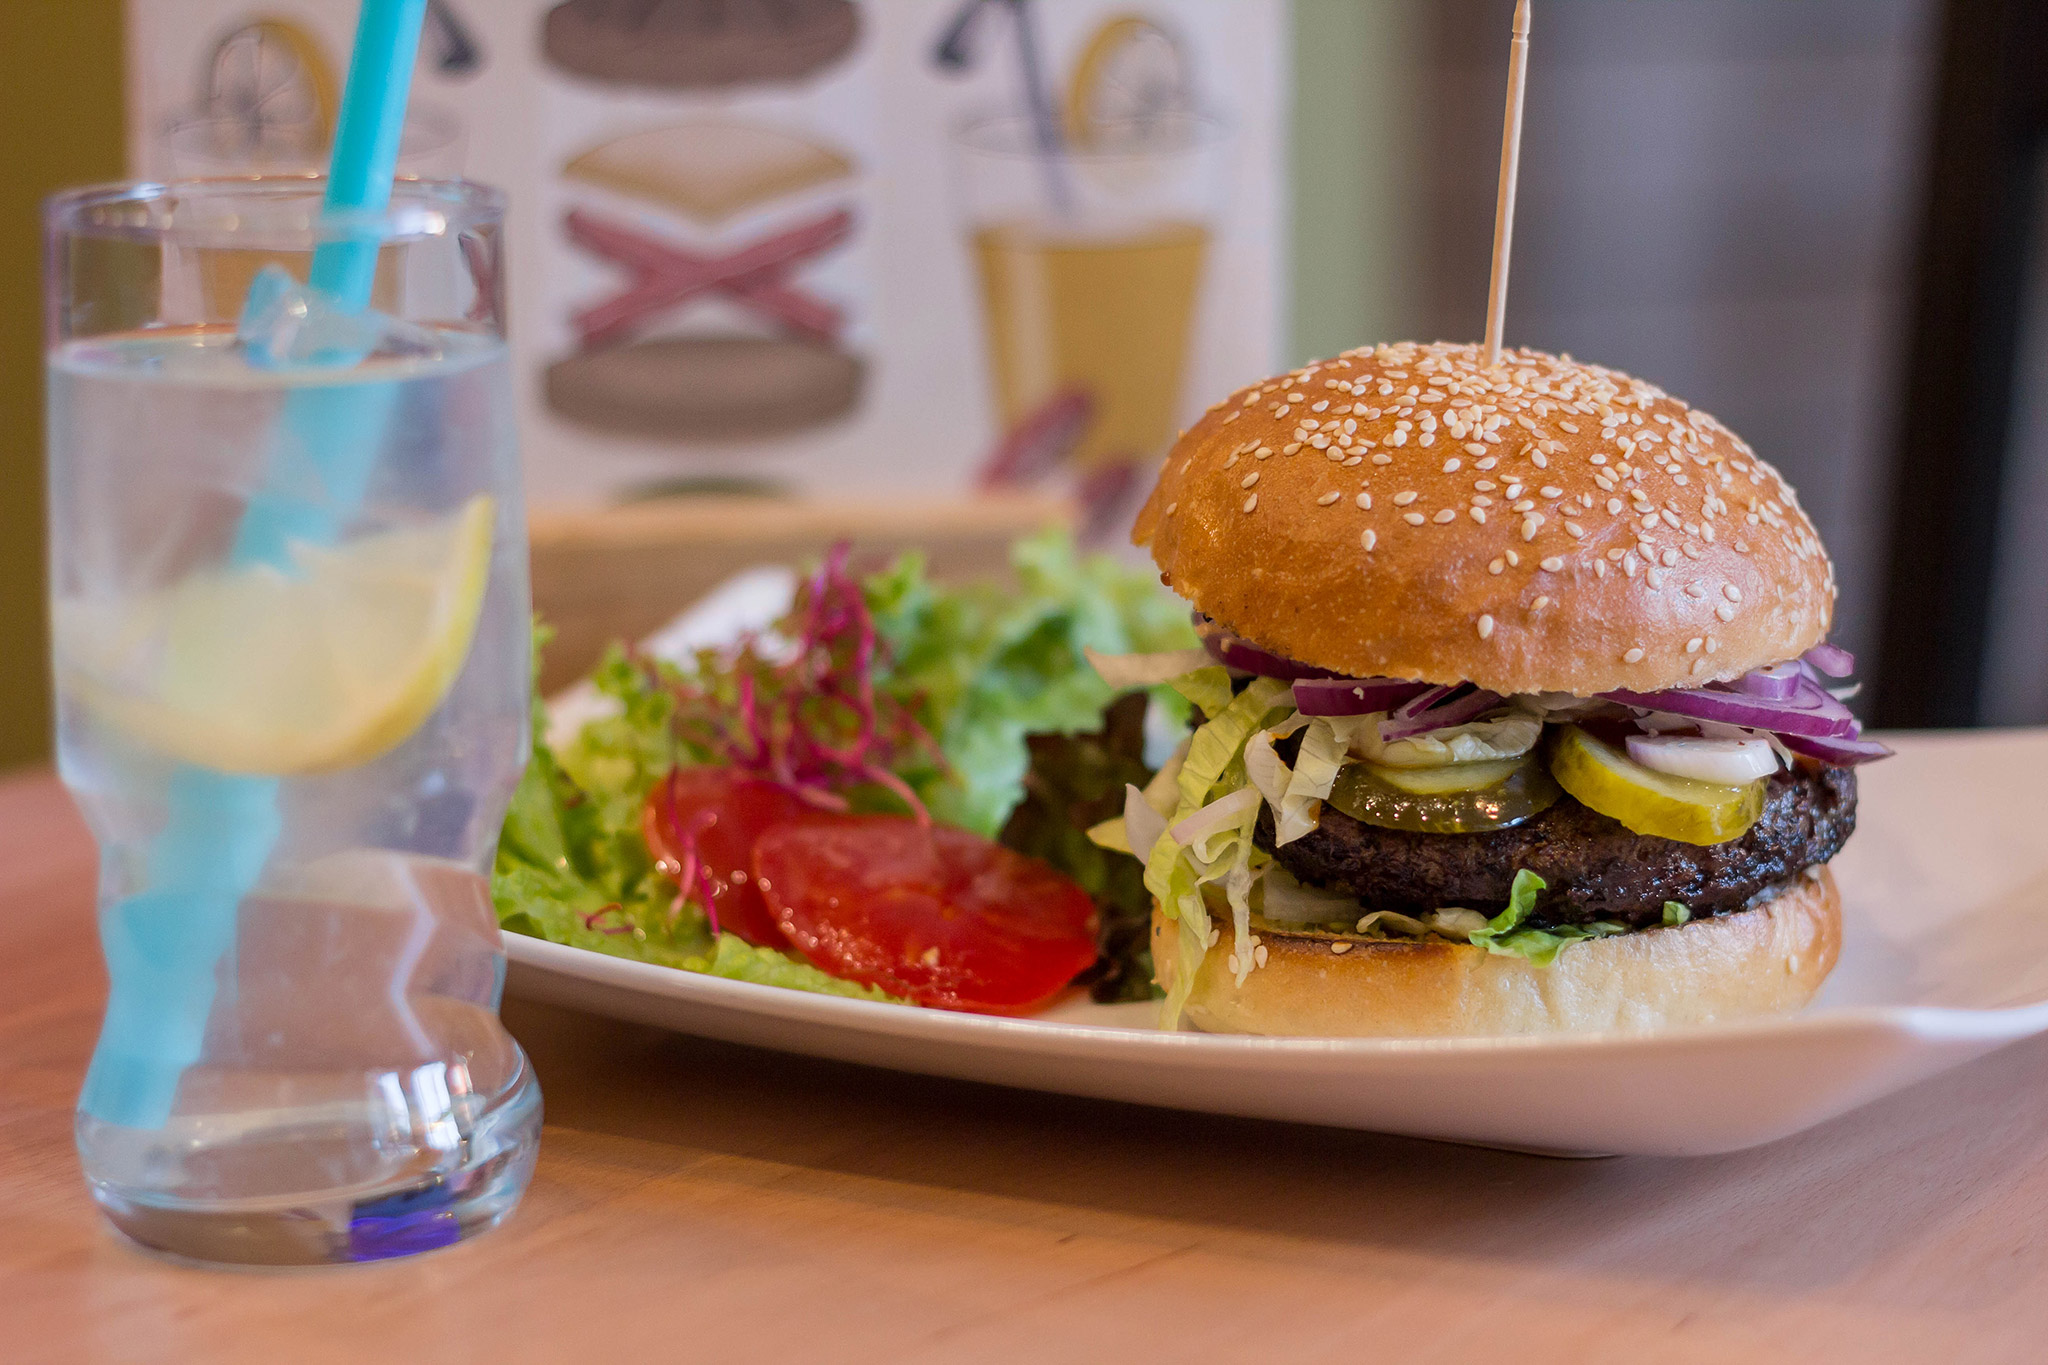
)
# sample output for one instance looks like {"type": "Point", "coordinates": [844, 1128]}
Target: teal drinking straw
{"type": "Point", "coordinates": [165, 945]}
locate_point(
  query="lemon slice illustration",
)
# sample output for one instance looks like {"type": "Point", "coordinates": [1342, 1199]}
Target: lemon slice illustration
{"type": "Point", "coordinates": [1132, 74]}
{"type": "Point", "coordinates": [271, 76]}
{"type": "Point", "coordinates": [259, 671]}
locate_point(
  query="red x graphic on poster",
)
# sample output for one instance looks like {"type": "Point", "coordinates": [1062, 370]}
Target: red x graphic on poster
{"type": "Point", "coordinates": [666, 275]}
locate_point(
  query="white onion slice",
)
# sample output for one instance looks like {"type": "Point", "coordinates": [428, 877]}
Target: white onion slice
{"type": "Point", "coordinates": [1223, 813]}
{"type": "Point", "coordinates": [1730, 762]}
{"type": "Point", "coordinates": [1143, 826]}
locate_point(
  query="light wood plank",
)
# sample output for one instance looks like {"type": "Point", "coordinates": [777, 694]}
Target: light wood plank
{"type": "Point", "coordinates": [706, 1202]}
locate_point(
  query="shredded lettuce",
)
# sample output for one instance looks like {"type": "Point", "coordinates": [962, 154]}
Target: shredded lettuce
{"type": "Point", "coordinates": [1213, 772]}
{"type": "Point", "coordinates": [1316, 766]}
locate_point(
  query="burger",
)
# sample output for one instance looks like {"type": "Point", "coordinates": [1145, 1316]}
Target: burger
{"type": "Point", "coordinates": [1516, 712]}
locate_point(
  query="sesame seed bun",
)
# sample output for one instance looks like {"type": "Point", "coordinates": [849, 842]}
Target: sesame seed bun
{"type": "Point", "coordinates": [1543, 526]}
{"type": "Point", "coordinates": [1762, 961]}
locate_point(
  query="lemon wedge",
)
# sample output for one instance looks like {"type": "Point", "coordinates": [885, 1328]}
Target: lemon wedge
{"type": "Point", "coordinates": [1649, 802]}
{"type": "Point", "coordinates": [1131, 74]}
{"type": "Point", "coordinates": [278, 673]}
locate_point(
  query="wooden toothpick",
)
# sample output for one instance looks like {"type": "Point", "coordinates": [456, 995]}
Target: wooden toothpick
{"type": "Point", "coordinates": [1504, 202]}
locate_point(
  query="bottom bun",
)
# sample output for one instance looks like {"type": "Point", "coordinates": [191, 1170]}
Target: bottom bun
{"type": "Point", "coordinates": [1765, 960]}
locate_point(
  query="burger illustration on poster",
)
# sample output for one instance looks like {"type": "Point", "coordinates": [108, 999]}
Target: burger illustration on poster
{"type": "Point", "coordinates": [721, 308]}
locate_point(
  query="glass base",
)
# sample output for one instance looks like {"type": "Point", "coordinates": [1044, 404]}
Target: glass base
{"type": "Point", "coordinates": [472, 1192]}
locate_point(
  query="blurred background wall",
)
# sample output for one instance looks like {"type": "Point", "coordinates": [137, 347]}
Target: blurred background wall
{"type": "Point", "coordinates": [1724, 196]}
{"type": "Point", "coordinates": [60, 102]}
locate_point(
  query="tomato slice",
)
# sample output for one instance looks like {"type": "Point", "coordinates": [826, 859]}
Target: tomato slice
{"type": "Point", "coordinates": [722, 813]}
{"type": "Point", "coordinates": [937, 915]}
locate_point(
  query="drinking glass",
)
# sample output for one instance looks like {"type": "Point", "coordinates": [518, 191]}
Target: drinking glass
{"type": "Point", "coordinates": [291, 647]}
{"type": "Point", "coordinates": [1090, 260]}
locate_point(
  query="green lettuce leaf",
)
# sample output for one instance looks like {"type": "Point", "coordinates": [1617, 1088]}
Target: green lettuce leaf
{"type": "Point", "coordinates": [1506, 935]}
{"type": "Point", "coordinates": [984, 667]}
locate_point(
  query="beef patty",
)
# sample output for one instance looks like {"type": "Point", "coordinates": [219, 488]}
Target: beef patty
{"type": "Point", "coordinates": [1596, 869]}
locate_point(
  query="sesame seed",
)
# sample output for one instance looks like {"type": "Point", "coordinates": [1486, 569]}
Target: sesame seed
{"type": "Point", "coordinates": [1731, 592]}
{"type": "Point", "coordinates": [1496, 566]}
{"type": "Point", "coordinates": [1551, 565]}
{"type": "Point", "coordinates": [1340, 948]}
{"type": "Point", "coordinates": [1382, 459]}
{"type": "Point", "coordinates": [1413, 518]}
{"type": "Point", "coordinates": [1249, 479]}
{"type": "Point", "coordinates": [1572, 427]}
{"type": "Point", "coordinates": [1712, 644]}
{"type": "Point", "coordinates": [1365, 501]}
{"type": "Point", "coordinates": [1531, 524]}
{"type": "Point", "coordinates": [1633, 656]}
{"type": "Point", "coordinates": [1478, 514]}
{"type": "Point", "coordinates": [1539, 604]}
{"type": "Point", "coordinates": [1171, 508]}
{"type": "Point", "coordinates": [1539, 461]}
{"type": "Point", "coordinates": [1263, 453]}
{"type": "Point", "coordinates": [1725, 611]}
{"type": "Point", "coordinates": [1613, 507]}
{"type": "Point", "coordinates": [1403, 498]}
{"type": "Point", "coordinates": [1451, 465]}
{"type": "Point", "coordinates": [1692, 646]}
{"type": "Point", "coordinates": [1369, 538]}
{"type": "Point", "coordinates": [1486, 627]}
{"type": "Point", "coordinates": [1654, 576]}
{"type": "Point", "coordinates": [1251, 502]}
{"type": "Point", "coordinates": [1514, 560]}
{"type": "Point", "coordinates": [1487, 463]}
{"type": "Point", "coordinates": [1574, 530]}
{"type": "Point", "coordinates": [1326, 499]}
{"type": "Point", "coordinates": [1551, 491]}
{"type": "Point", "coordinates": [1319, 441]}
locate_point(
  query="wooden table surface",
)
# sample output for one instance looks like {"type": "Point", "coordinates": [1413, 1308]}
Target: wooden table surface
{"type": "Point", "coordinates": [697, 1201]}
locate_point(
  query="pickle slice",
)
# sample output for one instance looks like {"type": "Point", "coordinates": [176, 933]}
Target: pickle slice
{"type": "Point", "coordinates": [1451, 777]}
{"type": "Point", "coordinates": [1649, 802]}
{"type": "Point", "coordinates": [1382, 796]}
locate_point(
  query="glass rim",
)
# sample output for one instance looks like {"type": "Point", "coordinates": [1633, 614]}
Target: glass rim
{"type": "Point", "coordinates": [1206, 129]}
{"type": "Point", "coordinates": [422, 207]}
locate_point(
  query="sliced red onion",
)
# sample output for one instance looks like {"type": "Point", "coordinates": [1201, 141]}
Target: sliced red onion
{"type": "Point", "coordinates": [1841, 751]}
{"type": "Point", "coordinates": [1777, 682]}
{"type": "Point", "coordinates": [1448, 706]}
{"type": "Point", "coordinates": [1832, 660]}
{"type": "Point", "coordinates": [1234, 651]}
{"type": "Point", "coordinates": [1809, 711]}
{"type": "Point", "coordinates": [1353, 696]}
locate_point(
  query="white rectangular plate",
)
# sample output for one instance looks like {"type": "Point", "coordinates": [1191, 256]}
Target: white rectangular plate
{"type": "Point", "coordinates": [1945, 958]}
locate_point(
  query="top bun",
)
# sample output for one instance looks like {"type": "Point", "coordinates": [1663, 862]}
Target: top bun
{"type": "Point", "coordinates": [1541, 526]}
